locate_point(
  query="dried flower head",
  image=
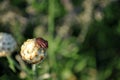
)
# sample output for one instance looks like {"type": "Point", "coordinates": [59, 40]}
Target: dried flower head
{"type": "Point", "coordinates": [7, 44]}
{"type": "Point", "coordinates": [34, 50]}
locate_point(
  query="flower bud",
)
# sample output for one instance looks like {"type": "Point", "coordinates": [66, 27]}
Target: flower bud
{"type": "Point", "coordinates": [34, 50]}
{"type": "Point", "coordinates": [7, 44]}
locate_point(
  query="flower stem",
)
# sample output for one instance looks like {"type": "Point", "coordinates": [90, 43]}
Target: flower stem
{"type": "Point", "coordinates": [35, 72]}
{"type": "Point", "coordinates": [51, 17]}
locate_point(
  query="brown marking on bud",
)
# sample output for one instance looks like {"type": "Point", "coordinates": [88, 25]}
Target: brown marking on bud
{"type": "Point", "coordinates": [36, 55]}
{"type": "Point", "coordinates": [41, 57]}
{"type": "Point", "coordinates": [41, 42]}
{"type": "Point", "coordinates": [31, 57]}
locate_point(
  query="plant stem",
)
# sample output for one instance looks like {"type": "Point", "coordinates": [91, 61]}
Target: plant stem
{"type": "Point", "coordinates": [35, 72]}
{"type": "Point", "coordinates": [51, 17]}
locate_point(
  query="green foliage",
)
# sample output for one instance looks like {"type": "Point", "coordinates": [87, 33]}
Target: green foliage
{"type": "Point", "coordinates": [59, 22]}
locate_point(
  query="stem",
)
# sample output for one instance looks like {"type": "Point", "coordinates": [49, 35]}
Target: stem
{"type": "Point", "coordinates": [12, 63]}
{"type": "Point", "coordinates": [51, 17]}
{"type": "Point", "coordinates": [51, 25]}
{"type": "Point", "coordinates": [35, 72]}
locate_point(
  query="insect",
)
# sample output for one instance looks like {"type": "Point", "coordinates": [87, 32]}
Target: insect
{"type": "Point", "coordinates": [42, 43]}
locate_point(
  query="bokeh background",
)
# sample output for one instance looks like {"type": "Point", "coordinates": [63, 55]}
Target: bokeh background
{"type": "Point", "coordinates": [83, 36]}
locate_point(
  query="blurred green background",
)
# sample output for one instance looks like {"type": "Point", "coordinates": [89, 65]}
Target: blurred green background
{"type": "Point", "coordinates": [83, 36]}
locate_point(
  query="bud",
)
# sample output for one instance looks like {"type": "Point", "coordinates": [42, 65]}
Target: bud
{"type": "Point", "coordinates": [34, 50]}
{"type": "Point", "coordinates": [7, 44]}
